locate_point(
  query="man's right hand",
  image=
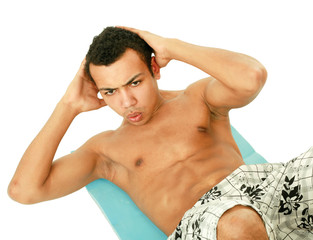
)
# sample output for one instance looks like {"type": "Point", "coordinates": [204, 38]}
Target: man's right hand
{"type": "Point", "coordinates": [39, 178]}
{"type": "Point", "coordinates": [81, 94]}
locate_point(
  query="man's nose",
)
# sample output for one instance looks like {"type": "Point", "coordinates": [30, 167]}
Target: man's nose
{"type": "Point", "coordinates": [128, 99]}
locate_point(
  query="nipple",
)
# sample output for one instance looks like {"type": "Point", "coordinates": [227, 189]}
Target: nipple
{"type": "Point", "coordinates": [202, 129]}
{"type": "Point", "coordinates": [139, 162]}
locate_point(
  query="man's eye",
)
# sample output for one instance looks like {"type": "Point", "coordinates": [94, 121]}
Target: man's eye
{"type": "Point", "coordinates": [135, 83]}
{"type": "Point", "coordinates": [109, 92]}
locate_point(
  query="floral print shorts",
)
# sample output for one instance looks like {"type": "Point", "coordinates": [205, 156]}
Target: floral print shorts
{"type": "Point", "coordinates": [282, 194]}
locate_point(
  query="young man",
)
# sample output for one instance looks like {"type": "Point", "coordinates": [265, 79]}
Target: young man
{"type": "Point", "coordinates": [174, 153]}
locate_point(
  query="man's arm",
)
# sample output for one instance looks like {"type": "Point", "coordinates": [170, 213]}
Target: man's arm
{"type": "Point", "coordinates": [37, 177]}
{"type": "Point", "coordinates": [235, 80]}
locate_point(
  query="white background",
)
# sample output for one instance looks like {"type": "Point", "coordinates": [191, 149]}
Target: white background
{"type": "Point", "coordinates": [43, 43]}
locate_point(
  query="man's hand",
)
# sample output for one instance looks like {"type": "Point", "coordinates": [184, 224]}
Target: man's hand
{"type": "Point", "coordinates": [37, 177]}
{"type": "Point", "coordinates": [157, 43]}
{"type": "Point", "coordinates": [82, 93]}
{"type": "Point", "coordinates": [236, 79]}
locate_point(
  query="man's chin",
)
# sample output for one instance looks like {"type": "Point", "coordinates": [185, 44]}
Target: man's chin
{"type": "Point", "coordinates": [140, 122]}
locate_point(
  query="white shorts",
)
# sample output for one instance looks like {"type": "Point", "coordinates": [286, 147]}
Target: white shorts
{"type": "Point", "coordinates": [282, 194]}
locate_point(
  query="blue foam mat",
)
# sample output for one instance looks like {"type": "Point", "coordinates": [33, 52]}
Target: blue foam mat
{"type": "Point", "coordinates": [124, 216]}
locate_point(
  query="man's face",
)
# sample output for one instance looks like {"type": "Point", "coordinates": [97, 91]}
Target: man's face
{"type": "Point", "coordinates": [128, 87]}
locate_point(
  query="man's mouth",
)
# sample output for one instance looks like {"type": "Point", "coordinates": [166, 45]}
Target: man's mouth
{"type": "Point", "coordinates": [134, 117]}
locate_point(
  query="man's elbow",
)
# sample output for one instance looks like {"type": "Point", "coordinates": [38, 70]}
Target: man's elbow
{"type": "Point", "coordinates": [261, 76]}
{"type": "Point", "coordinates": [21, 194]}
{"type": "Point", "coordinates": [256, 80]}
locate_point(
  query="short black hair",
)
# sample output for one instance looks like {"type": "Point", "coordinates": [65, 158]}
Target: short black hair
{"type": "Point", "coordinates": [111, 44]}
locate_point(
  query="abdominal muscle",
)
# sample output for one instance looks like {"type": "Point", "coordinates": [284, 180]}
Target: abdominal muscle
{"type": "Point", "coordinates": [180, 159]}
{"type": "Point", "coordinates": [165, 195]}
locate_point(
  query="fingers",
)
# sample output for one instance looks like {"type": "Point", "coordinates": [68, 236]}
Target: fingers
{"type": "Point", "coordinates": [102, 103]}
{"type": "Point", "coordinates": [129, 29]}
{"type": "Point", "coordinates": [82, 65]}
{"type": "Point", "coordinates": [134, 30]}
{"type": "Point", "coordinates": [81, 71]}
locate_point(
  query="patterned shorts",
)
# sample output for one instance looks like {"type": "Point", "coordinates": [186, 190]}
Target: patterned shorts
{"type": "Point", "coordinates": [282, 194]}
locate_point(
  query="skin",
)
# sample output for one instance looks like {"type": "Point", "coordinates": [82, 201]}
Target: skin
{"type": "Point", "coordinates": [172, 146]}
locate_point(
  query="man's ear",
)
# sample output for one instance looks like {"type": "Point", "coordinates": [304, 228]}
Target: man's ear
{"type": "Point", "coordinates": [155, 69]}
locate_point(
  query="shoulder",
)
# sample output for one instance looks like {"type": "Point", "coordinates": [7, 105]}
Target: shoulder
{"type": "Point", "coordinates": [197, 92]}
{"type": "Point", "coordinates": [98, 140]}
{"type": "Point", "coordinates": [199, 86]}
{"type": "Point", "coordinates": [96, 150]}
{"type": "Point", "coordinates": [196, 89]}
{"type": "Point", "coordinates": [94, 147]}
{"type": "Point", "coordinates": [167, 94]}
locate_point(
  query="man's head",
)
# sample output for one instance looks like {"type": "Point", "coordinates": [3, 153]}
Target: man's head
{"type": "Point", "coordinates": [119, 62]}
{"type": "Point", "coordinates": [111, 44]}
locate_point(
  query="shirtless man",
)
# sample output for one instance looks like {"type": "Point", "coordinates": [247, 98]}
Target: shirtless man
{"type": "Point", "coordinates": [172, 146]}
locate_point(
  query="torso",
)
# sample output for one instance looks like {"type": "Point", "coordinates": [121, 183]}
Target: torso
{"type": "Point", "coordinates": [167, 164]}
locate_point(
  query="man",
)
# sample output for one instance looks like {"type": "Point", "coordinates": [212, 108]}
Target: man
{"type": "Point", "coordinates": [174, 150]}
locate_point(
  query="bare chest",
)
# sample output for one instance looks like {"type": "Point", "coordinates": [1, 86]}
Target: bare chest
{"type": "Point", "coordinates": [166, 140]}
{"type": "Point", "coordinates": [159, 145]}
{"type": "Point", "coordinates": [179, 153]}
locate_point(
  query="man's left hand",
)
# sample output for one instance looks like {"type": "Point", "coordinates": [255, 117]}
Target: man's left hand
{"type": "Point", "coordinates": [157, 43]}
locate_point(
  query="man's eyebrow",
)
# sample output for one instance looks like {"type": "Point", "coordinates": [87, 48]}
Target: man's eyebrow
{"type": "Point", "coordinates": [128, 82]}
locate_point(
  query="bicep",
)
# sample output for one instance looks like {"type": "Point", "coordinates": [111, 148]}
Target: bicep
{"type": "Point", "coordinates": [70, 173]}
{"type": "Point", "coordinates": [221, 98]}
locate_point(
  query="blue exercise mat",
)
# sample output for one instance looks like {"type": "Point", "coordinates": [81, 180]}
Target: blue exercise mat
{"type": "Point", "coordinates": [125, 217]}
